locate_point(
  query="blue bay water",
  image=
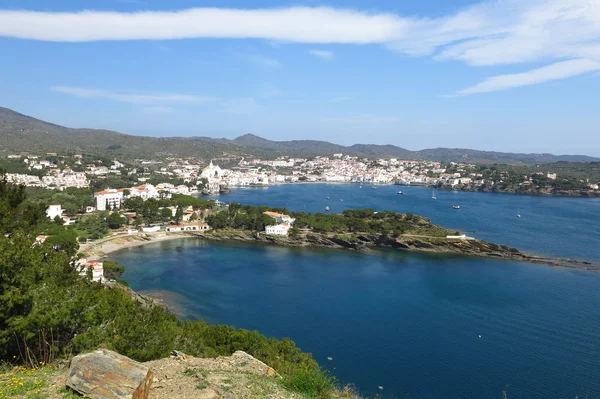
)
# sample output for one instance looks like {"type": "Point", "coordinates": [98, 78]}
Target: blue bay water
{"type": "Point", "coordinates": [410, 323]}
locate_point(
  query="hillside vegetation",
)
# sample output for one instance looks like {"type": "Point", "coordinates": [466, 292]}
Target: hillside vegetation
{"type": "Point", "coordinates": [21, 133]}
{"type": "Point", "coordinates": [48, 311]}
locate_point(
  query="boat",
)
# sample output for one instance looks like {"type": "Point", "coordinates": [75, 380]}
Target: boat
{"type": "Point", "coordinates": [327, 208]}
{"type": "Point", "coordinates": [456, 206]}
{"type": "Point", "coordinates": [327, 197]}
{"type": "Point", "coordinates": [518, 213]}
{"type": "Point", "coordinates": [433, 195]}
{"type": "Point", "coordinates": [342, 200]}
{"type": "Point", "coordinates": [374, 188]}
{"type": "Point", "coordinates": [400, 193]}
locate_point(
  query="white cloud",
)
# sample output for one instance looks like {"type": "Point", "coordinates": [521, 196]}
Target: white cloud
{"type": "Point", "coordinates": [559, 70]}
{"type": "Point", "coordinates": [295, 24]}
{"type": "Point", "coordinates": [131, 97]}
{"type": "Point", "coordinates": [490, 33]}
{"type": "Point", "coordinates": [323, 54]}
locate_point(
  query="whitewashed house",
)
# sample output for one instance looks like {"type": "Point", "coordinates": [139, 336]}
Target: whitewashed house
{"type": "Point", "coordinates": [53, 211]}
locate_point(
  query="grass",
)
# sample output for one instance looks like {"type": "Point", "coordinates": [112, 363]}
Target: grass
{"type": "Point", "coordinates": [202, 385]}
{"type": "Point", "coordinates": [26, 383]}
{"type": "Point", "coordinates": [311, 383]}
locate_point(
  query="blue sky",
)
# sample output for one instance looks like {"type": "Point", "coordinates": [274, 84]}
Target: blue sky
{"type": "Point", "coordinates": [505, 75]}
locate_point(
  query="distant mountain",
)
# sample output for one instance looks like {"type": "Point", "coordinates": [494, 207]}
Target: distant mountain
{"type": "Point", "coordinates": [475, 156]}
{"type": "Point", "coordinates": [21, 133]}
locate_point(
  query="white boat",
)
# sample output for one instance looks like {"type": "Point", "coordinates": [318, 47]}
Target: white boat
{"type": "Point", "coordinates": [456, 206]}
{"type": "Point", "coordinates": [518, 213]}
{"type": "Point", "coordinates": [400, 193]}
{"type": "Point", "coordinates": [433, 195]}
{"type": "Point", "coordinates": [327, 208]}
{"type": "Point", "coordinates": [342, 200]}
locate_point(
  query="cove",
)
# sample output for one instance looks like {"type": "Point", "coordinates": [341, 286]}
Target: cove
{"type": "Point", "coordinates": [410, 323]}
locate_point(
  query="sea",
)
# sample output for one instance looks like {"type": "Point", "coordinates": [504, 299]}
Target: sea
{"type": "Point", "coordinates": [402, 325]}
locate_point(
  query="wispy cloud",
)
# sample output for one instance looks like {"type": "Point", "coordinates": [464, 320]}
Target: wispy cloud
{"type": "Point", "coordinates": [261, 62]}
{"type": "Point", "coordinates": [131, 97]}
{"type": "Point", "coordinates": [489, 33]}
{"type": "Point", "coordinates": [323, 54]}
{"type": "Point", "coordinates": [559, 70]}
{"type": "Point", "coordinates": [340, 99]}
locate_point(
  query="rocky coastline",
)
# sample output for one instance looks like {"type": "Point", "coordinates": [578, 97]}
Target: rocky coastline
{"type": "Point", "coordinates": [411, 243]}
{"type": "Point", "coordinates": [353, 242]}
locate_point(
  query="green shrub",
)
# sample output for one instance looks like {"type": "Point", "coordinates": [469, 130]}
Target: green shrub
{"type": "Point", "coordinates": [312, 383]}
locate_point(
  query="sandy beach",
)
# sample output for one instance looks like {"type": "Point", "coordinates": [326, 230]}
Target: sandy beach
{"type": "Point", "coordinates": [101, 248]}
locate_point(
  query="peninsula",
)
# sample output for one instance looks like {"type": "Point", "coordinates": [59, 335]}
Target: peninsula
{"type": "Point", "coordinates": [357, 230]}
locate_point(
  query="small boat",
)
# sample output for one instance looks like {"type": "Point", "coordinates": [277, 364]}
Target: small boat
{"type": "Point", "coordinates": [327, 197]}
{"type": "Point", "coordinates": [360, 187]}
{"type": "Point", "coordinates": [433, 195]}
{"type": "Point", "coordinates": [518, 214]}
{"type": "Point", "coordinates": [400, 193]}
{"type": "Point", "coordinates": [327, 208]}
{"type": "Point", "coordinates": [374, 188]}
{"type": "Point", "coordinates": [456, 206]}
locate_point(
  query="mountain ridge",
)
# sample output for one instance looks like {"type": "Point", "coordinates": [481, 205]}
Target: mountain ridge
{"type": "Point", "coordinates": [22, 133]}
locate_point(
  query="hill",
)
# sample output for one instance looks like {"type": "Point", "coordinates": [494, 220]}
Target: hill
{"type": "Point", "coordinates": [21, 133]}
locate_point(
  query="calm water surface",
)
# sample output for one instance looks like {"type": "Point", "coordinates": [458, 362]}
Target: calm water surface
{"type": "Point", "coordinates": [410, 323]}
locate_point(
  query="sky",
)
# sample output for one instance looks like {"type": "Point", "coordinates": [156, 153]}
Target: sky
{"type": "Point", "coordinates": [503, 75]}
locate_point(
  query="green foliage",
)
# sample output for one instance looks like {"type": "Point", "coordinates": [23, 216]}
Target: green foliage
{"type": "Point", "coordinates": [115, 220]}
{"type": "Point", "coordinates": [112, 270]}
{"type": "Point", "coordinates": [311, 383]}
{"type": "Point", "coordinates": [72, 200]}
{"type": "Point", "coordinates": [93, 227]}
{"type": "Point", "coordinates": [48, 310]}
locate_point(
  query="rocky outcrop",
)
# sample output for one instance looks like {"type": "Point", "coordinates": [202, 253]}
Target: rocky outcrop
{"type": "Point", "coordinates": [413, 243]}
{"type": "Point", "coordinates": [105, 374]}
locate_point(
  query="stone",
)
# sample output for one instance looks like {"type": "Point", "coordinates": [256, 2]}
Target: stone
{"type": "Point", "coordinates": [105, 374]}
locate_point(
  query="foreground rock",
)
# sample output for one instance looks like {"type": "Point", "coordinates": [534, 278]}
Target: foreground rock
{"type": "Point", "coordinates": [104, 374]}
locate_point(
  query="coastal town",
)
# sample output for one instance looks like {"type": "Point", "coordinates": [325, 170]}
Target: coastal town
{"type": "Point", "coordinates": [190, 176]}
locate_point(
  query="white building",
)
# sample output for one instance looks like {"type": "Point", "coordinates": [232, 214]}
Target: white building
{"type": "Point", "coordinates": [278, 229]}
{"type": "Point", "coordinates": [189, 227]}
{"type": "Point", "coordinates": [96, 266]}
{"type": "Point", "coordinates": [53, 211]}
{"type": "Point", "coordinates": [108, 199]}
{"type": "Point", "coordinates": [284, 223]}
{"type": "Point", "coordinates": [211, 171]}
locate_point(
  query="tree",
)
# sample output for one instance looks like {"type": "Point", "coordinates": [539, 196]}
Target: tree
{"type": "Point", "coordinates": [115, 220]}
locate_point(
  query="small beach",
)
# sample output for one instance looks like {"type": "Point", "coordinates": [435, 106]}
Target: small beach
{"type": "Point", "coordinates": [105, 246]}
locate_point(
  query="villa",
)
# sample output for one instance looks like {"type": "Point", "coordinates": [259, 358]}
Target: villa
{"type": "Point", "coordinates": [189, 227]}
{"type": "Point", "coordinates": [284, 223]}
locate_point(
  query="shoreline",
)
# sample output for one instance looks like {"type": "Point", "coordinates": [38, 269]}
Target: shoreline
{"type": "Point", "coordinates": [432, 246]}
{"type": "Point", "coordinates": [593, 194]}
{"type": "Point", "coordinates": [111, 244]}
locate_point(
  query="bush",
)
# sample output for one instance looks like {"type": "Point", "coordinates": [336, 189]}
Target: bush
{"type": "Point", "coordinates": [311, 383]}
